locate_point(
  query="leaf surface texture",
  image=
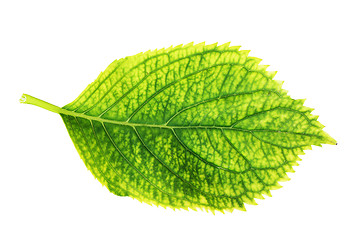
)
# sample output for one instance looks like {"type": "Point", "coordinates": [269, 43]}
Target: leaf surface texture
{"type": "Point", "coordinates": [202, 126]}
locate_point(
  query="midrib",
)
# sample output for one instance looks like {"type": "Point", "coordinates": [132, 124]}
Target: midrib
{"type": "Point", "coordinates": [27, 99]}
{"type": "Point", "coordinates": [50, 107]}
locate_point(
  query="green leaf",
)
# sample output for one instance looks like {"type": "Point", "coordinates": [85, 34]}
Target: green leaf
{"type": "Point", "coordinates": [189, 127]}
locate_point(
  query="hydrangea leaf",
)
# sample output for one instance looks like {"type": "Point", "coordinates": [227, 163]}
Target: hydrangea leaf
{"type": "Point", "coordinates": [194, 126]}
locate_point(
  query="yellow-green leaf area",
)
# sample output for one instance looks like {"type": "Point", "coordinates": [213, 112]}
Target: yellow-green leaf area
{"type": "Point", "coordinates": [194, 126]}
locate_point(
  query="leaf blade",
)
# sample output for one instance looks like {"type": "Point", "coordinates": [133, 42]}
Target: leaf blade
{"type": "Point", "coordinates": [201, 126]}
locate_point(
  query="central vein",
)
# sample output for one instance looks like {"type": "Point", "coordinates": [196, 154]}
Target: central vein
{"type": "Point", "coordinates": [50, 107]}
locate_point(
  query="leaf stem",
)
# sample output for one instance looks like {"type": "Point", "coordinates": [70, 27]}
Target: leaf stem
{"type": "Point", "coordinates": [25, 98]}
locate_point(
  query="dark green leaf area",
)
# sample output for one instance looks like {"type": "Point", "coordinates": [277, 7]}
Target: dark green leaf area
{"type": "Point", "coordinates": [191, 127]}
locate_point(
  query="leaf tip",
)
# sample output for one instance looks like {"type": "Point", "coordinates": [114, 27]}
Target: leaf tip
{"type": "Point", "coordinates": [330, 140]}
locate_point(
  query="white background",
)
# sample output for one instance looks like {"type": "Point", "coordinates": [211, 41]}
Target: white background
{"type": "Point", "coordinates": [54, 50]}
